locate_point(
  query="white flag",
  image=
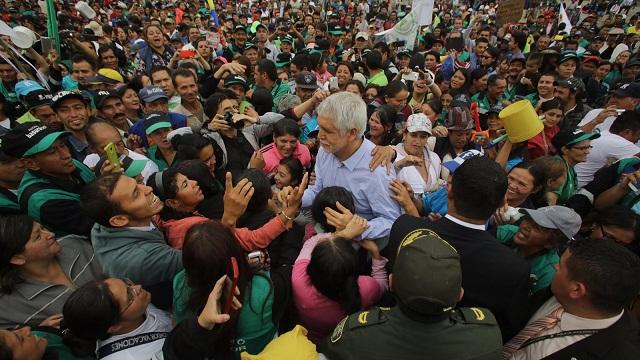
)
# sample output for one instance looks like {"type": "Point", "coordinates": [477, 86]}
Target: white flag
{"type": "Point", "coordinates": [405, 30]}
{"type": "Point", "coordinates": [424, 11]}
{"type": "Point", "coordinates": [565, 19]}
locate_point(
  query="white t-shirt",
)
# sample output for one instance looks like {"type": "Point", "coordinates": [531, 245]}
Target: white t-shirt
{"type": "Point", "coordinates": [92, 159]}
{"type": "Point", "coordinates": [412, 176]}
{"type": "Point", "coordinates": [606, 150]}
{"type": "Point", "coordinates": [603, 126]}
{"type": "Point", "coordinates": [145, 342]}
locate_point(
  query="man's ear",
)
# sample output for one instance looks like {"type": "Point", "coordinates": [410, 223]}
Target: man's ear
{"type": "Point", "coordinates": [119, 221]}
{"type": "Point", "coordinates": [30, 164]}
{"type": "Point", "coordinates": [18, 260]}
{"type": "Point", "coordinates": [461, 294]}
{"type": "Point", "coordinates": [172, 203]}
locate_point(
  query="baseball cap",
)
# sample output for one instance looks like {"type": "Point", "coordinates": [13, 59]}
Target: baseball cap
{"type": "Point", "coordinates": [427, 276]}
{"type": "Point", "coordinates": [336, 30]}
{"type": "Point", "coordinates": [106, 76]}
{"type": "Point", "coordinates": [362, 35]}
{"type": "Point", "coordinates": [566, 56]}
{"type": "Point", "coordinates": [152, 93]}
{"type": "Point", "coordinates": [632, 62]}
{"type": "Point", "coordinates": [283, 59]}
{"type": "Point", "coordinates": [103, 95]}
{"type": "Point", "coordinates": [239, 27]}
{"type": "Point", "coordinates": [95, 27]}
{"type": "Point", "coordinates": [404, 52]}
{"type": "Point", "coordinates": [60, 96]}
{"type": "Point", "coordinates": [556, 217]}
{"type": "Point", "coordinates": [29, 139]}
{"type": "Point", "coordinates": [452, 165]}
{"type": "Point", "coordinates": [568, 138]}
{"type": "Point", "coordinates": [37, 98]}
{"type": "Point", "coordinates": [169, 21]}
{"type": "Point", "coordinates": [154, 121]}
{"type": "Point", "coordinates": [249, 45]}
{"type": "Point", "coordinates": [573, 83]}
{"type": "Point", "coordinates": [460, 118]}
{"type": "Point", "coordinates": [235, 79]}
{"type": "Point", "coordinates": [24, 87]}
{"type": "Point", "coordinates": [418, 122]}
{"type": "Point", "coordinates": [287, 38]}
{"type": "Point", "coordinates": [628, 90]}
{"type": "Point", "coordinates": [306, 80]}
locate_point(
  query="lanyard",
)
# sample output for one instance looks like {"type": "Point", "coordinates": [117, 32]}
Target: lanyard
{"type": "Point", "coordinates": [560, 334]}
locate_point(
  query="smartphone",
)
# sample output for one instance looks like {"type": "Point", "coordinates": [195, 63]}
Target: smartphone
{"type": "Point", "coordinates": [333, 83]}
{"type": "Point", "coordinates": [46, 44]}
{"type": "Point", "coordinates": [112, 156]}
{"type": "Point", "coordinates": [455, 43]}
{"type": "Point", "coordinates": [234, 283]}
{"type": "Point", "coordinates": [413, 76]}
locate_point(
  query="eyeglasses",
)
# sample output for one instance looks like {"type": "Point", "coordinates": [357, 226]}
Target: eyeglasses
{"type": "Point", "coordinates": [583, 148]}
{"type": "Point", "coordinates": [132, 293]}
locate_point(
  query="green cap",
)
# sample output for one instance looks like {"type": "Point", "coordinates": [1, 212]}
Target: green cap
{"type": "Point", "coordinates": [29, 139]}
{"type": "Point", "coordinates": [154, 121]}
{"type": "Point", "coordinates": [134, 167]}
{"type": "Point", "coordinates": [427, 276]}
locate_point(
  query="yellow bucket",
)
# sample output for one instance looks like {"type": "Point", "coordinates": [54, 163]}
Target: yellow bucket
{"type": "Point", "coordinates": [520, 121]}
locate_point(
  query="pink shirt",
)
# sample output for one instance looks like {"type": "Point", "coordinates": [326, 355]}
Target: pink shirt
{"type": "Point", "coordinates": [272, 157]}
{"type": "Point", "coordinates": [319, 314]}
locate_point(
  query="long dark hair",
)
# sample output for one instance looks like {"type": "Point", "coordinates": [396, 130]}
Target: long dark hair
{"type": "Point", "coordinates": [333, 272]}
{"type": "Point", "coordinates": [165, 186]}
{"type": "Point", "coordinates": [15, 231]}
{"type": "Point", "coordinates": [388, 117]}
{"type": "Point", "coordinates": [87, 316]}
{"type": "Point", "coordinates": [295, 169]}
{"type": "Point", "coordinates": [206, 253]}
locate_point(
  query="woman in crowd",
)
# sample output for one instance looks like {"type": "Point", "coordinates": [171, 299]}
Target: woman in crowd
{"type": "Point", "coordinates": [617, 66]}
{"type": "Point", "coordinates": [617, 223]}
{"type": "Point", "coordinates": [38, 273]}
{"type": "Point", "coordinates": [396, 94]}
{"type": "Point", "coordinates": [286, 133]}
{"type": "Point", "coordinates": [344, 74]}
{"type": "Point", "coordinates": [489, 58]}
{"type": "Point", "coordinates": [206, 255]}
{"type": "Point", "coordinates": [382, 126]}
{"type": "Point", "coordinates": [371, 92]}
{"type": "Point", "coordinates": [555, 174]}
{"type": "Point", "coordinates": [326, 285]}
{"type": "Point", "coordinates": [573, 147]}
{"type": "Point", "coordinates": [108, 59]}
{"type": "Point", "coordinates": [288, 173]}
{"type": "Point", "coordinates": [356, 87]}
{"type": "Point", "coordinates": [414, 163]}
{"type": "Point", "coordinates": [526, 182]}
{"type": "Point", "coordinates": [155, 54]}
{"type": "Point", "coordinates": [460, 82]}
{"type": "Point", "coordinates": [551, 113]}
{"type": "Point", "coordinates": [131, 102]}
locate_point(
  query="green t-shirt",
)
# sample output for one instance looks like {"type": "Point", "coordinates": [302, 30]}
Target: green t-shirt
{"type": "Point", "coordinates": [570, 186]}
{"type": "Point", "coordinates": [542, 265]}
{"type": "Point", "coordinates": [379, 79]}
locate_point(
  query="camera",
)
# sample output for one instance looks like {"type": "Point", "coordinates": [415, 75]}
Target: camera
{"type": "Point", "coordinates": [228, 117]}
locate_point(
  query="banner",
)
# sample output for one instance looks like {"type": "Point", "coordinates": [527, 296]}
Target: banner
{"type": "Point", "coordinates": [405, 30]}
{"type": "Point", "coordinates": [564, 19]}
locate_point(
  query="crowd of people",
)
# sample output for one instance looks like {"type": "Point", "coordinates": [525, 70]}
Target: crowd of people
{"type": "Point", "coordinates": [279, 179]}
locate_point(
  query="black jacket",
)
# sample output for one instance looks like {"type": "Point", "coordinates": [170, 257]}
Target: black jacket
{"type": "Point", "coordinates": [493, 276]}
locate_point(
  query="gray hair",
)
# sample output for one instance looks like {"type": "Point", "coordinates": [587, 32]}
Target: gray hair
{"type": "Point", "coordinates": [347, 110]}
{"type": "Point", "coordinates": [287, 101]}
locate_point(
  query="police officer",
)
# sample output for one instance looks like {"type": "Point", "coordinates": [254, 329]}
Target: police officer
{"type": "Point", "coordinates": [427, 283]}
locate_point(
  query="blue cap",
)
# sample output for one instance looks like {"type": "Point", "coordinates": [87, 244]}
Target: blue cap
{"type": "Point", "coordinates": [24, 87]}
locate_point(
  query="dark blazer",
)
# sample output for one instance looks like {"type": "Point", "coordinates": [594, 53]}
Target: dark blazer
{"type": "Point", "coordinates": [493, 276]}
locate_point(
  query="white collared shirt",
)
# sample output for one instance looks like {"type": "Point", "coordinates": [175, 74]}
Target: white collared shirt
{"type": "Point", "coordinates": [142, 228]}
{"type": "Point", "coordinates": [466, 224]}
{"type": "Point", "coordinates": [567, 322]}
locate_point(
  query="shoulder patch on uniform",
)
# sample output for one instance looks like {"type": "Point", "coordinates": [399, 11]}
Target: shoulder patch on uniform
{"type": "Point", "coordinates": [365, 318]}
{"type": "Point", "coordinates": [337, 332]}
{"type": "Point", "coordinates": [476, 315]}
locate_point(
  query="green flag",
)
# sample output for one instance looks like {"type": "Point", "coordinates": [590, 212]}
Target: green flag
{"type": "Point", "coordinates": [52, 25]}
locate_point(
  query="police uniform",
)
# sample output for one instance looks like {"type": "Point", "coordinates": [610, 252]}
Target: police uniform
{"type": "Point", "coordinates": [426, 282]}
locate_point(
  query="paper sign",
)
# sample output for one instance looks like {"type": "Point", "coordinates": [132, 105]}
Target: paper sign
{"type": "Point", "coordinates": [509, 11]}
{"type": "Point", "coordinates": [213, 39]}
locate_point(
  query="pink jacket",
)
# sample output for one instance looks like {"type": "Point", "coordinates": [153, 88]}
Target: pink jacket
{"type": "Point", "coordinates": [272, 157]}
{"type": "Point", "coordinates": [319, 314]}
{"type": "Point", "coordinates": [175, 231]}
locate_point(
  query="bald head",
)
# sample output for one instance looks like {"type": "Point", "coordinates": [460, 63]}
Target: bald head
{"type": "Point", "coordinates": [101, 133]}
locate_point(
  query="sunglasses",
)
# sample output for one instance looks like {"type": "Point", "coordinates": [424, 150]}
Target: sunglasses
{"type": "Point", "coordinates": [132, 293]}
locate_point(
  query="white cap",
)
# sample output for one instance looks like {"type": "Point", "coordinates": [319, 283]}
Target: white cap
{"type": "Point", "coordinates": [363, 35]}
{"type": "Point", "coordinates": [360, 77]}
{"type": "Point", "coordinates": [418, 122]}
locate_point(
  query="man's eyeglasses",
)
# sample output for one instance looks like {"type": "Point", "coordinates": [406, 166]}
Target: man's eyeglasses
{"type": "Point", "coordinates": [132, 293]}
{"type": "Point", "coordinates": [583, 148]}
